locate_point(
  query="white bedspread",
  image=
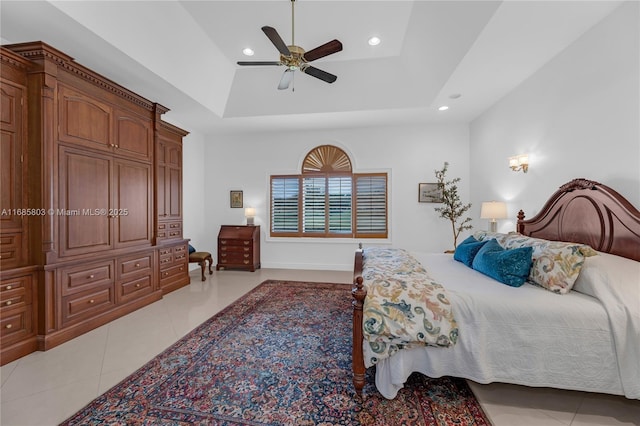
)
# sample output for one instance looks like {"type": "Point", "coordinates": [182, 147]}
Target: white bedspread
{"type": "Point", "coordinates": [615, 281]}
{"type": "Point", "coordinates": [524, 335]}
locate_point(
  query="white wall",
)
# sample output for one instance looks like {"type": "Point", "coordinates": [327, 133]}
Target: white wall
{"type": "Point", "coordinates": [577, 117]}
{"type": "Point", "coordinates": [409, 154]}
{"type": "Point", "coordinates": [194, 192]}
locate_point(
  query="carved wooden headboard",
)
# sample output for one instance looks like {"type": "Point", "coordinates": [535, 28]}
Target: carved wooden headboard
{"type": "Point", "coordinates": [588, 212]}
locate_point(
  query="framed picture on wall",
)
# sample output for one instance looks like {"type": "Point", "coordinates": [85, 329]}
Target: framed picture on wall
{"type": "Point", "coordinates": [236, 199]}
{"type": "Point", "coordinates": [429, 193]}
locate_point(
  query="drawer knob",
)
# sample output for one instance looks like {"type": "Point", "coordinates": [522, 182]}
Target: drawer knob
{"type": "Point", "coordinates": [166, 273]}
{"type": "Point", "coordinates": [138, 285]}
{"type": "Point", "coordinates": [92, 301]}
{"type": "Point", "coordinates": [246, 262]}
{"type": "Point", "coordinates": [8, 287]}
{"type": "Point", "coordinates": [137, 265]}
{"type": "Point", "coordinates": [182, 268]}
{"type": "Point", "coordinates": [9, 302]}
{"type": "Point", "coordinates": [90, 276]}
{"type": "Point", "coordinates": [246, 243]}
{"type": "Point", "coordinates": [9, 326]}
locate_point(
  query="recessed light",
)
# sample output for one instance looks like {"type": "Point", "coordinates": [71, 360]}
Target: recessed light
{"type": "Point", "coordinates": [247, 51]}
{"type": "Point", "coordinates": [374, 41]}
{"type": "Point", "coordinates": [443, 108]}
{"type": "Point", "coordinates": [454, 95]}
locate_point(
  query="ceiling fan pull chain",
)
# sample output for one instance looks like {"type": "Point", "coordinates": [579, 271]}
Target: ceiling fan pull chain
{"type": "Point", "coordinates": [293, 30]}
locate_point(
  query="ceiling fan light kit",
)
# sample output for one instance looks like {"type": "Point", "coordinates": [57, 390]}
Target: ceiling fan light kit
{"type": "Point", "coordinates": [295, 58]}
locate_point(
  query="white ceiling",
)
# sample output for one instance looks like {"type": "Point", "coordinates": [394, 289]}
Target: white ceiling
{"type": "Point", "coordinates": [183, 55]}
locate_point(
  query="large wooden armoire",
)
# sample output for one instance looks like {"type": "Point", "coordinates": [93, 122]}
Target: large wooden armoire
{"type": "Point", "coordinates": [91, 225]}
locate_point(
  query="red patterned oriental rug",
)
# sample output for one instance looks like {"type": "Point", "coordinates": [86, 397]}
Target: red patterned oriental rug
{"type": "Point", "coordinates": [280, 355]}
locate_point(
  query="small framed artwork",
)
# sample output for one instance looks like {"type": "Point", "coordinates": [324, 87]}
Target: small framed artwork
{"type": "Point", "coordinates": [236, 199]}
{"type": "Point", "coordinates": [429, 193]}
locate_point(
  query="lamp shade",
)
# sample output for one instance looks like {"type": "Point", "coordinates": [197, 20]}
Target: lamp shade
{"type": "Point", "coordinates": [249, 212]}
{"type": "Point", "coordinates": [493, 210]}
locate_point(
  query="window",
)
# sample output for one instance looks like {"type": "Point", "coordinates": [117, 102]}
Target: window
{"type": "Point", "coordinates": [328, 200]}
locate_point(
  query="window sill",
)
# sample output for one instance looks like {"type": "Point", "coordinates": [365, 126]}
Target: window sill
{"type": "Point", "coordinates": [320, 240]}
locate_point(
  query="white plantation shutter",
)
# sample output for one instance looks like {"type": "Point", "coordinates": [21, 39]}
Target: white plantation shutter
{"type": "Point", "coordinates": [340, 207]}
{"type": "Point", "coordinates": [285, 193]}
{"type": "Point", "coordinates": [314, 205]}
{"type": "Point", "coordinates": [371, 205]}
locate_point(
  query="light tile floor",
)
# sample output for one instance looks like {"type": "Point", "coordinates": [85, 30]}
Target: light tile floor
{"type": "Point", "coordinates": [44, 388]}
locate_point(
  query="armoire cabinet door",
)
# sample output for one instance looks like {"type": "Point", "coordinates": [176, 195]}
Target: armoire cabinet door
{"type": "Point", "coordinates": [132, 203]}
{"type": "Point", "coordinates": [84, 202]}
{"type": "Point", "coordinates": [134, 136]}
{"type": "Point", "coordinates": [12, 200]}
{"type": "Point", "coordinates": [169, 180]}
{"type": "Point", "coordinates": [174, 193]}
{"type": "Point", "coordinates": [84, 120]}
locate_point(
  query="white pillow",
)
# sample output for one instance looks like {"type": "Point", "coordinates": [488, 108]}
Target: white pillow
{"type": "Point", "coordinates": [608, 270]}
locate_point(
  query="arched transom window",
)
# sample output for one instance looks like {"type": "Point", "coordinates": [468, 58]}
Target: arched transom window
{"type": "Point", "coordinates": [328, 200]}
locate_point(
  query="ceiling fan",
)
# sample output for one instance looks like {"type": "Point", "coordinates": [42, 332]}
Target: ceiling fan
{"type": "Point", "coordinates": [295, 58]}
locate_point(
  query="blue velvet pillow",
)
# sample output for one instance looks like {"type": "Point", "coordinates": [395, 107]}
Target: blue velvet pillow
{"type": "Point", "coordinates": [191, 249]}
{"type": "Point", "coordinates": [467, 250]}
{"type": "Point", "coordinates": [510, 267]}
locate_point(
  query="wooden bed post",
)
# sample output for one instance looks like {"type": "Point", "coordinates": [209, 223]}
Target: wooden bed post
{"type": "Point", "coordinates": [359, 293]}
{"type": "Point", "coordinates": [520, 226]}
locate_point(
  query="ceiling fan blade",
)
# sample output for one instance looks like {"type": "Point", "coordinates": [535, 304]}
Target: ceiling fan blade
{"type": "Point", "coordinates": [287, 76]}
{"type": "Point", "coordinates": [321, 51]}
{"type": "Point", "coordinates": [322, 75]}
{"type": "Point", "coordinates": [258, 63]}
{"type": "Point", "coordinates": [276, 40]}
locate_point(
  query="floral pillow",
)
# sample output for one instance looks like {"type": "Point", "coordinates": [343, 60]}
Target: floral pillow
{"type": "Point", "coordinates": [487, 235]}
{"type": "Point", "coordinates": [556, 264]}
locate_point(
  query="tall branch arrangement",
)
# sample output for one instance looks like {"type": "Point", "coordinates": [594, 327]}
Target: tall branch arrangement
{"type": "Point", "coordinates": [452, 208]}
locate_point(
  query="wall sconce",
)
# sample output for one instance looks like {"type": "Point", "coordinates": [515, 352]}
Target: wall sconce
{"type": "Point", "coordinates": [250, 214]}
{"type": "Point", "coordinates": [519, 162]}
{"type": "Point", "coordinates": [493, 210]}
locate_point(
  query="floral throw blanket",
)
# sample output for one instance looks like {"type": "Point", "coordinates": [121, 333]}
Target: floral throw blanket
{"type": "Point", "coordinates": [404, 307]}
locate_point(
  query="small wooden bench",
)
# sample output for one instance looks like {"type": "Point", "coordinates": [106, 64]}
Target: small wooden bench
{"type": "Point", "coordinates": [201, 258]}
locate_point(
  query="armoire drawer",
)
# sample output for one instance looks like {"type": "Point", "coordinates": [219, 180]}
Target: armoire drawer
{"type": "Point", "coordinates": [134, 289]}
{"type": "Point", "coordinates": [83, 277]}
{"type": "Point", "coordinates": [10, 247]}
{"type": "Point", "coordinates": [169, 230]}
{"type": "Point", "coordinates": [16, 292]}
{"type": "Point", "coordinates": [87, 304]}
{"type": "Point", "coordinates": [133, 266]}
{"type": "Point", "coordinates": [15, 324]}
{"type": "Point", "coordinates": [172, 271]}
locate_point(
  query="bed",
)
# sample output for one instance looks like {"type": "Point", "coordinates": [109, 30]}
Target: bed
{"type": "Point", "coordinates": [587, 338]}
